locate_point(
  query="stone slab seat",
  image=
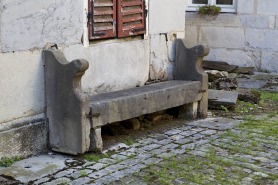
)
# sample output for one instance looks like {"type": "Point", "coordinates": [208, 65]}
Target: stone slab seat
{"type": "Point", "coordinates": [75, 118]}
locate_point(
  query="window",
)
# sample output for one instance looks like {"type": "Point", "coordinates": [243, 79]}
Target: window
{"type": "Point", "coordinates": [116, 18]}
{"type": "Point", "coordinates": [226, 5]}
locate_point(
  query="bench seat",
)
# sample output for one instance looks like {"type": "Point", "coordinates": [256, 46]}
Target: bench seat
{"type": "Point", "coordinates": [133, 102]}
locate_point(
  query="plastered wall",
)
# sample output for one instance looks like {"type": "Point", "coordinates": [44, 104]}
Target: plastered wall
{"type": "Point", "coordinates": [247, 38]}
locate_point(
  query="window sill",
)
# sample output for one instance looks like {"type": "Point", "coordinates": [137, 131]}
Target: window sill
{"type": "Point", "coordinates": [115, 40]}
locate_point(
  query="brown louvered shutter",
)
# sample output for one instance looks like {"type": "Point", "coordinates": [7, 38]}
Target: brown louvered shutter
{"type": "Point", "coordinates": [102, 19]}
{"type": "Point", "coordinates": [131, 18]}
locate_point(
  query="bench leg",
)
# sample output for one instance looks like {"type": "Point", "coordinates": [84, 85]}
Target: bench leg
{"type": "Point", "coordinates": [203, 106]}
{"type": "Point", "coordinates": [188, 111]}
{"type": "Point", "coordinates": [96, 140]}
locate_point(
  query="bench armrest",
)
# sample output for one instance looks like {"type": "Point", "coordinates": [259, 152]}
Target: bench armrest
{"type": "Point", "coordinates": [189, 63]}
{"type": "Point", "coordinates": [67, 104]}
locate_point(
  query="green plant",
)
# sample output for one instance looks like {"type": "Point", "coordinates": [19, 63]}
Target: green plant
{"type": "Point", "coordinates": [129, 141]}
{"type": "Point", "coordinates": [6, 161]}
{"type": "Point", "coordinates": [225, 109]}
{"type": "Point", "coordinates": [83, 172]}
{"type": "Point", "coordinates": [209, 10]}
{"type": "Point", "coordinates": [96, 157]}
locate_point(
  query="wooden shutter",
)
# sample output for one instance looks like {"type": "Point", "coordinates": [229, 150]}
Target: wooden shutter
{"type": "Point", "coordinates": [131, 18]}
{"type": "Point", "coordinates": [102, 19]}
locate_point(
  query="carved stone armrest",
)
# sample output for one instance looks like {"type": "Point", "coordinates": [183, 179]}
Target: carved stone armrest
{"type": "Point", "coordinates": [189, 68]}
{"type": "Point", "coordinates": [189, 63]}
{"type": "Point", "coordinates": [67, 104]}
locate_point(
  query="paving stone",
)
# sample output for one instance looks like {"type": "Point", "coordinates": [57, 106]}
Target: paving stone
{"type": "Point", "coordinates": [129, 162]}
{"type": "Point", "coordinates": [261, 174]}
{"type": "Point", "coordinates": [196, 136]}
{"type": "Point", "coordinates": [176, 137]}
{"type": "Point", "coordinates": [99, 174]}
{"type": "Point", "coordinates": [152, 161]}
{"type": "Point", "coordinates": [188, 133]}
{"type": "Point", "coordinates": [216, 123]}
{"type": "Point", "coordinates": [173, 132]}
{"type": "Point", "coordinates": [114, 168]}
{"type": "Point", "coordinates": [97, 166]}
{"type": "Point", "coordinates": [183, 141]}
{"type": "Point", "coordinates": [118, 157]}
{"type": "Point", "coordinates": [64, 173]}
{"type": "Point", "coordinates": [166, 155]}
{"type": "Point", "coordinates": [143, 156]}
{"type": "Point", "coordinates": [83, 180]}
{"type": "Point", "coordinates": [107, 161]}
{"type": "Point", "coordinates": [62, 180]}
{"type": "Point", "coordinates": [160, 136]}
{"type": "Point", "coordinates": [201, 142]}
{"type": "Point", "coordinates": [164, 141]}
{"type": "Point", "coordinates": [158, 151]}
{"type": "Point", "coordinates": [198, 153]}
{"type": "Point", "coordinates": [151, 147]}
{"type": "Point", "coordinates": [197, 129]}
{"type": "Point", "coordinates": [136, 150]}
{"type": "Point", "coordinates": [42, 180]}
{"type": "Point", "coordinates": [188, 146]}
{"type": "Point", "coordinates": [169, 146]}
{"type": "Point", "coordinates": [148, 141]}
{"type": "Point", "coordinates": [106, 180]}
{"type": "Point", "coordinates": [186, 127]}
{"type": "Point", "coordinates": [208, 132]}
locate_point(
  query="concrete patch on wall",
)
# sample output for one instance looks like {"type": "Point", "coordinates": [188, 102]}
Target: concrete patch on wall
{"type": "Point", "coordinates": [270, 61]}
{"type": "Point", "coordinates": [222, 37]}
{"type": "Point", "coordinates": [165, 16]}
{"type": "Point", "coordinates": [56, 21]}
{"type": "Point", "coordinates": [276, 24]}
{"type": "Point", "coordinates": [191, 36]}
{"type": "Point", "coordinates": [262, 39]}
{"type": "Point", "coordinates": [268, 7]}
{"type": "Point", "coordinates": [158, 57]}
{"type": "Point", "coordinates": [22, 85]}
{"type": "Point", "coordinates": [255, 21]}
{"type": "Point", "coordinates": [236, 57]}
{"type": "Point", "coordinates": [245, 6]}
{"type": "Point", "coordinates": [114, 66]}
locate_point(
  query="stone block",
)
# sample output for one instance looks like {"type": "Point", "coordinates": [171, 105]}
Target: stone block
{"type": "Point", "coordinates": [255, 21]}
{"type": "Point", "coordinates": [22, 85]}
{"type": "Point", "coordinates": [267, 7]}
{"type": "Point", "coordinates": [245, 6]}
{"type": "Point", "coordinates": [222, 37]}
{"type": "Point", "coordinates": [191, 36]}
{"type": "Point", "coordinates": [26, 140]}
{"type": "Point", "coordinates": [133, 124]}
{"type": "Point", "coordinates": [262, 39]}
{"type": "Point", "coordinates": [217, 98]}
{"type": "Point", "coordinates": [227, 84]}
{"type": "Point", "coordinates": [248, 95]}
{"type": "Point", "coordinates": [270, 61]}
{"type": "Point", "coordinates": [159, 23]}
{"type": "Point", "coordinates": [188, 111]}
{"type": "Point", "coordinates": [243, 59]}
{"type": "Point", "coordinates": [214, 74]}
{"type": "Point", "coordinates": [153, 117]}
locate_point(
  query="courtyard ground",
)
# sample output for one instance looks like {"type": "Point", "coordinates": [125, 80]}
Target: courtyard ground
{"type": "Point", "coordinates": [238, 146]}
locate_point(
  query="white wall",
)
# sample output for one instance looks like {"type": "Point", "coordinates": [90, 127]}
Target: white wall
{"type": "Point", "coordinates": [247, 38]}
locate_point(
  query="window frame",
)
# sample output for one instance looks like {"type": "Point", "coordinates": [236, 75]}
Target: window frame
{"type": "Point", "coordinates": [119, 31]}
{"type": "Point", "coordinates": [224, 8]}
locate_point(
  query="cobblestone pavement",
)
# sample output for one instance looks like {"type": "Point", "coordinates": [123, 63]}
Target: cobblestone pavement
{"type": "Point", "coordinates": [210, 151]}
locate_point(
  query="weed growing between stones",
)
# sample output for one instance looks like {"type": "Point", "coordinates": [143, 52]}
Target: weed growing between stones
{"type": "Point", "coordinates": [96, 157]}
{"type": "Point", "coordinates": [6, 162]}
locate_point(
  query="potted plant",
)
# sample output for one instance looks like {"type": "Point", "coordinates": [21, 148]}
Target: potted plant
{"type": "Point", "coordinates": [209, 10]}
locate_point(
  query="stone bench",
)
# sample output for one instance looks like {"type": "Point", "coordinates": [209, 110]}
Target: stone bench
{"type": "Point", "coordinates": [75, 119]}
